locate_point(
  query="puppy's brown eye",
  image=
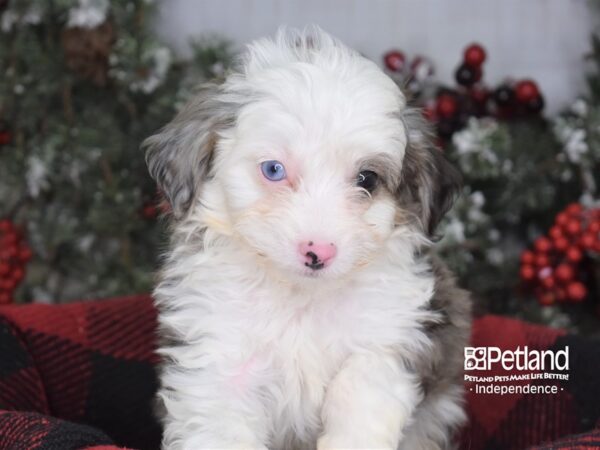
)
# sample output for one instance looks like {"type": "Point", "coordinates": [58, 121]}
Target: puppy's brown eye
{"type": "Point", "coordinates": [367, 179]}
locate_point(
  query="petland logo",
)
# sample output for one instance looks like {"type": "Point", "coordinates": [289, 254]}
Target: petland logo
{"type": "Point", "coordinates": [485, 358]}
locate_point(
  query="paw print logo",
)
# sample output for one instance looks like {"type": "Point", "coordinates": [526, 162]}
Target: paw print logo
{"type": "Point", "coordinates": [475, 358]}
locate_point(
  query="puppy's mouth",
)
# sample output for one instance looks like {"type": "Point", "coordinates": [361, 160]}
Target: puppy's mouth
{"type": "Point", "coordinates": [316, 271]}
{"type": "Point", "coordinates": [310, 273]}
{"type": "Point", "coordinates": [315, 263]}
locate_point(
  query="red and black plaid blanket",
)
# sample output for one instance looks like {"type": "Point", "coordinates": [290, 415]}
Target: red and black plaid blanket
{"type": "Point", "coordinates": [81, 376]}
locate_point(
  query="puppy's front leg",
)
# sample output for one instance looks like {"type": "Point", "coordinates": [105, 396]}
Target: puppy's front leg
{"type": "Point", "coordinates": [368, 403]}
{"type": "Point", "coordinates": [209, 409]}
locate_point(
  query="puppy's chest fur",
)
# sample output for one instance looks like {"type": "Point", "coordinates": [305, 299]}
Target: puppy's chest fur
{"type": "Point", "coordinates": [287, 344]}
{"type": "Point", "coordinates": [303, 357]}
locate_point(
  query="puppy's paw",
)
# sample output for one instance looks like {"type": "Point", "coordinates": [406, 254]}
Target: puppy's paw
{"type": "Point", "coordinates": [350, 442]}
{"type": "Point", "coordinates": [241, 447]}
{"type": "Point", "coordinates": [326, 442]}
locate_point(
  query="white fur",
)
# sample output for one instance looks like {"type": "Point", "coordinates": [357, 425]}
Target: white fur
{"type": "Point", "coordinates": [275, 356]}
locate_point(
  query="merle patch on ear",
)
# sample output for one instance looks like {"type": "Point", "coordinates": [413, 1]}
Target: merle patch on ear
{"type": "Point", "coordinates": [432, 182]}
{"type": "Point", "coordinates": [179, 156]}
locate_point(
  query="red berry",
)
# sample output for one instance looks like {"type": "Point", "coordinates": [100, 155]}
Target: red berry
{"type": "Point", "coordinates": [543, 244]}
{"type": "Point", "coordinates": [561, 244]}
{"type": "Point", "coordinates": [25, 254]}
{"type": "Point", "coordinates": [574, 255]}
{"type": "Point", "coordinates": [10, 238]}
{"type": "Point", "coordinates": [542, 261]}
{"type": "Point", "coordinates": [394, 60]}
{"type": "Point", "coordinates": [5, 137]}
{"type": "Point", "coordinates": [4, 268]}
{"type": "Point", "coordinates": [594, 226]}
{"type": "Point", "coordinates": [5, 226]}
{"type": "Point", "coordinates": [527, 273]}
{"type": "Point", "coordinates": [561, 294]}
{"type": "Point", "coordinates": [546, 298]}
{"type": "Point", "coordinates": [149, 211]}
{"type": "Point", "coordinates": [548, 282]}
{"type": "Point", "coordinates": [573, 227]}
{"type": "Point", "coordinates": [4, 298]}
{"type": "Point", "coordinates": [564, 273]}
{"type": "Point", "coordinates": [576, 291]}
{"type": "Point", "coordinates": [479, 94]}
{"type": "Point", "coordinates": [587, 241]}
{"type": "Point", "coordinates": [526, 90]}
{"type": "Point", "coordinates": [527, 257]}
{"type": "Point", "coordinates": [574, 209]}
{"type": "Point", "coordinates": [562, 219]}
{"type": "Point", "coordinates": [446, 106]}
{"type": "Point", "coordinates": [12, 251]}
{"type": "Point", "coordinates": [10, 284]}
{"type": "Point", "coordinates": [474, 55]}
{"type": "Point", "coordinates": [555, 232]}
{"type": "Point", "coordinates": [17, 274]}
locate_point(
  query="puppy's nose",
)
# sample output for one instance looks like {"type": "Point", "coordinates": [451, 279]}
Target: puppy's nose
{"type": "Point", "coordinates": [317, 255]}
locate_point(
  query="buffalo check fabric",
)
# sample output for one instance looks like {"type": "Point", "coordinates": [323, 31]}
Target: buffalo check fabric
{"type": "Point", "coordinates": [81, 376]}
{"type": "Point", "coordinates": [78, 375]}
{"type": "Point", "coordinates": [27, 430]}
{"type": "Point", "coordinates": [585, 441]}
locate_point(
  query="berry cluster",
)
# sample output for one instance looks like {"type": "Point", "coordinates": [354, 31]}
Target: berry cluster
{"type": "Point", "coordinates": [5, 134]}
{"type": "Point", "coordinates": [155, 206]}
{"type": "Point", "coordinates": [14, 254]}
{"type": "Point", "coordinates": [553, 269]}
{"type": "Point", "coordinates": [412, 76]}
{"type": "Point", "coordinates": [452, 107]}
{"type": "Point", "coordinates": [518, 99]}
{"type": "Point", "coordinates": [471, 69]}
{"type": "Point", "coordinates": [149, 211]}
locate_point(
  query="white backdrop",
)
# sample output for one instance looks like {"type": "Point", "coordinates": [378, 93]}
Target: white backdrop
{"type": "Point", "coordinates": [542, 39]}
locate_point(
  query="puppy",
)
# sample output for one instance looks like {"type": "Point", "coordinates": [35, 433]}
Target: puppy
{"type": "Point", "coordinates": [299, 305]}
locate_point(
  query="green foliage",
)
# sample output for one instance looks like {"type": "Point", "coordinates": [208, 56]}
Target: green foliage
{"type": "Point", "coordinates": [73, 175]}
{"type": "Point", "coordinates": [512, 191]}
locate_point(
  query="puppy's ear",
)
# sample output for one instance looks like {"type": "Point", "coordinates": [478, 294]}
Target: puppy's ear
{"type": "Point", "coordinates": [179, 156]}
{"type": "Point", "coordinates": [432, 182]}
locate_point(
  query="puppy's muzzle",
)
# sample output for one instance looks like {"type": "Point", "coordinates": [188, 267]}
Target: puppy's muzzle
{"type": "Point", "coordinates": [317, 255]}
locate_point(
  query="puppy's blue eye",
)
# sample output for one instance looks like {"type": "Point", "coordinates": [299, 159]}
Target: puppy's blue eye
{"type": "Point", "coordinates": [273, 170]}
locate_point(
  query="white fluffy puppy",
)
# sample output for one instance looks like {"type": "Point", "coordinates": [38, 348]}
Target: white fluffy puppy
{"type": "Point", "coordinates": [298, 304]}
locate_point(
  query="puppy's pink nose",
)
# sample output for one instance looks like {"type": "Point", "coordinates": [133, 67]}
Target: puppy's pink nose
{"type": "Point", "coordinates": [317, 255]}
